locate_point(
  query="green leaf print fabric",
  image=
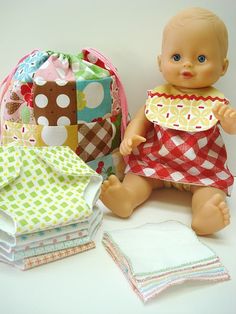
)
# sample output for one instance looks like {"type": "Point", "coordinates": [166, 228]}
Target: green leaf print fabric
{"type": "Point", "coordinates": [43, 188]}
{"type": "Point", "coordinates": [84, 70]}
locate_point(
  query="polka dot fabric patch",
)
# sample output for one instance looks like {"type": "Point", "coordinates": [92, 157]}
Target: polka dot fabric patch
{"type": "Point", "coordinates": [52, 96]}
{"type": "Point", "coordinates": [55, 105]}
{"type": "Point", "coordinates": [94, 99]}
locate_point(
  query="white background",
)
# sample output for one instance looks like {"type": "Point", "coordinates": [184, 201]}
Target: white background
{"type": "Point", "coordinates": [129, 33]}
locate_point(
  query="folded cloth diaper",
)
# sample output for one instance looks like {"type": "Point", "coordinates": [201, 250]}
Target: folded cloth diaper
{"type": "Point", "coordinates": [154, 257]}
{"type": "Point", "coordinates": [47, 205]}
{"type": "Point", "coordinates": [53, 244]}
{"type": "Point", "coordinates": [34, 261]}
{"type": "Point", "coordinates": [43, 188]}
{"type": "Point", "coordinates": [51, 236]}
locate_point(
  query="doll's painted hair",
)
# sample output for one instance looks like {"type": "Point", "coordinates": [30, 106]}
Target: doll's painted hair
{"type": "Point", "coordinates": [200, 14]}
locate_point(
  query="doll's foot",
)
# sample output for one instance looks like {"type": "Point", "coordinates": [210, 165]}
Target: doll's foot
{"type": "Point", "coordinates": [212, 216]}
{"type": "Point", "coordinates": [116, 197]}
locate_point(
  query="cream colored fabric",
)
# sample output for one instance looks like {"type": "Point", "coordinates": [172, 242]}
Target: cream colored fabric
{"type": "Point", "coordinates": [169, 108]}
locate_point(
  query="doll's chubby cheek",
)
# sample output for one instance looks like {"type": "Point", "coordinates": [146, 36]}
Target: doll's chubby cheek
{"type": "Point", "coordinates": [169, 73]}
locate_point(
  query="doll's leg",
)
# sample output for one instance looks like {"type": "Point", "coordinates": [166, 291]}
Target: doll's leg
{"type": "Point", "coordinates": [209, 210]}
{"type": "Point", "coordinates": [123, 198]}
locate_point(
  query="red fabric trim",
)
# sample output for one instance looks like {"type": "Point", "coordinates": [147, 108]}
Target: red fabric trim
{"type": "Point", "coordinates": [189, 97]}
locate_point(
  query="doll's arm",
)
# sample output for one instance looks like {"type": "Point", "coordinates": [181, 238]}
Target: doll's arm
{"type": "Point", "coordinates": [135, 132]}
{"type": "Point", "coordinates": [227, 117]}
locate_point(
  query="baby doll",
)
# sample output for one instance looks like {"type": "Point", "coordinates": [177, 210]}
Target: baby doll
{"type": "Point", "coordinates": [174, 140]}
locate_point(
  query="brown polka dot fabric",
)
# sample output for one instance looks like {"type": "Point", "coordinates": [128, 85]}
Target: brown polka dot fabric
{"type": "Point", "coordinates": [55, 105]}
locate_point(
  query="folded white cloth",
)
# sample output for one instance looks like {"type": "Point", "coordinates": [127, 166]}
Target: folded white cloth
{"type": "Point", "coordinates": [9, 242]}
{"type": "Point", "coordinates": [35, 261]}
{"type": "Point", "coordinates": [156, 256]}
{"type": "Point", "coordinates": [58, 243]}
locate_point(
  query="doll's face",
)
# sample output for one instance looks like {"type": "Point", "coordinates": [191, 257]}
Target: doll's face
{"type": "Point", "coordinates": [191, 56]}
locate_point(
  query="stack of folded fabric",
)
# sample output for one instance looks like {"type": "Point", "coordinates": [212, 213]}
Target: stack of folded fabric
{"type": "Point", "coordinates": [34, 249]}
{"type": "Point", "coordinates": [154, 257]}
{"type": "Point", "coordinates": [47, 205]}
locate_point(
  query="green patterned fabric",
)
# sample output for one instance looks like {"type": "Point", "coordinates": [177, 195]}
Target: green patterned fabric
{"type": "Point", "coordinates": [43, 187]}
{"type": "Point", "coordinates": [84, 70]}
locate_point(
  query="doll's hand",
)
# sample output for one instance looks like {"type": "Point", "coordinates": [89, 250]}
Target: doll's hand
{"type": "Point", "coordinates": [128, 144]}
{"type": "Point", "coordinates": [227, 117]}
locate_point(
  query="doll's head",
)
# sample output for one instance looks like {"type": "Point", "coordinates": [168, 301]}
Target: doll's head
{"type": "Point", "coordinates": [194, 49]}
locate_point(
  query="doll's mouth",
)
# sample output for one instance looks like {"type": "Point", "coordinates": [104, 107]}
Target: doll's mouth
{"type": "Point", "coordinates": [187, 74]}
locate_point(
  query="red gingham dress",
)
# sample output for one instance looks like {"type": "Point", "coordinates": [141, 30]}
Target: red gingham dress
{"type": "Point", "coordinates": [197, 158]}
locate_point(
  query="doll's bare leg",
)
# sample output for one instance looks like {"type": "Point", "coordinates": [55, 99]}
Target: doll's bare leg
{"type": "Point", "coordinates": [123, 198]}
{"type": "Point", "coordinates": [209, 210]}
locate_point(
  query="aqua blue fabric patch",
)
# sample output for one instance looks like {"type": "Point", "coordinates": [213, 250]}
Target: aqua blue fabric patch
{"type": "Point", "coordinates": [29, 66]}
{"type": "Point", "coordinates": [93, 98]}
{"type": "Point", "coordinates": [103, 166]}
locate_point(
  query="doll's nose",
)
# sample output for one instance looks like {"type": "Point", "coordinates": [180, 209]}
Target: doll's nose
{"type": "Point", "coordinates": [187, 64]}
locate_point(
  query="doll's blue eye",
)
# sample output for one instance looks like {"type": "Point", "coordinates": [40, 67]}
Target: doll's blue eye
{"type": "Point", "coordinates": [176, 57]}
{"type": "Point", "coordinates": [201, 58]}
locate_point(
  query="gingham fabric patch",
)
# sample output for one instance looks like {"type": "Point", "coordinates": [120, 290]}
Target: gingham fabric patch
{"type": "Point", "coordinates": [95, 139]}
{"type": "Point", "coordinates": [42, 188]}
{"type": "Point", "coordinates": [195, 158]}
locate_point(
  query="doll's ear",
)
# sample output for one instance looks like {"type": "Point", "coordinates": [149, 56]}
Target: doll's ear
{"type": "Point", "coordinates": [225, 66]}
{"type": "Point", "coordinates": [159, 62]}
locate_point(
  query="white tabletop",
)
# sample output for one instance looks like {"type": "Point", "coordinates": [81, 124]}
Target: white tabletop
{"type": "Point", "coordinates": [91, 283]}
